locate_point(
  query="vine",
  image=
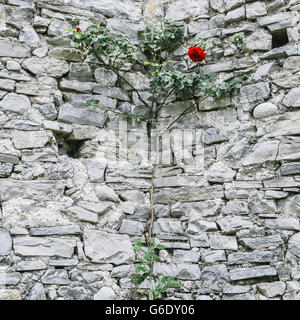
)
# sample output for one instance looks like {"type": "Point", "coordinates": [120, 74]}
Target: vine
{"type": "Point", "coordinates": [155, 44]}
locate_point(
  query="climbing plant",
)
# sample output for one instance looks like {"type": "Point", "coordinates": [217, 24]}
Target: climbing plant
{"type": "Point", "coordinates": [153, 52]}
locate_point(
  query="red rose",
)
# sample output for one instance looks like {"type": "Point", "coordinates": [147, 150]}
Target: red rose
{"type": "Point", "coordinates": [196, 54]}
{"type": "Point", "coordinates": [78, 29]}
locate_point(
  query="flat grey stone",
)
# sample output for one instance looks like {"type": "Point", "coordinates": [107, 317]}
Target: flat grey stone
{"type": "Point", "coordinates": [52, 231]}
{"type": "Point", "coordinates": [132, 227]}
{"type": "Point", "coordinates": [105, 293]}
{"type": "Point", "coordinates": [31, 246]}
{"type": "Point", "coordinates": [262, 243]}
{"type": "Point", "coordinates": [105, 193]}
{"type": "Point", "coordinates": [292, 99]}
{"type": "Point", "coordinates": [283, 223]}
{"type": "Point", "coordinates": [223, 242]}
{"type": "Point", "coordinates": [294, 245]}
{"type": "Point", "coordinates": [165, 225]}
{"type": "Point", "coordinates": [30, 140]}
{"type": "Point", "coordinates": [5, 243]}
{"type": "Point", "coordinates": [77, 86]}
{"type": "Point", "coordinates": [55, 276]}
{"type": "Point", "coordinates": [180, 10]}
{"type": "Point", "coordinates": [13, 49]}
{"type": "Point", "coordinates": [15, 103]}
{"type": "Point", "coordinates": [253, 272]}
{"type": "Point", "coordinates": [250, 257]}
{"type": "Point", "coordinates": [37, 292]}
{"type": "Point", "coordinates": [102, 247]}
{"type": "Point", "coordinates": [96, 170]}
{"type": "Point", "coordinates": [215, 274]}
{"type": "Point", "coordinates": [46, 66]}
{"type": "Point", "coordinates": [272, 289]}
{"type": "Point", "coordinates": [31, 265]}
{"type": "Point", "coordinates": [37, 190]}
{"type": "Point", "coordinates": [232, 224]}
{"type": "Point", "coordinates": [105, 78]}
{"type": "Point", "coordinates": [68, 113]}
{"type": "Point", "coordinates": [183, 271]}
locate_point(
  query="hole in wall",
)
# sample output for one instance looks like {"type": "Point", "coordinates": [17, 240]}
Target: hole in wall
{"type": "Point", "coordinates": [71, 148]}
{"type": "Point", "coordinates": [279, 38]}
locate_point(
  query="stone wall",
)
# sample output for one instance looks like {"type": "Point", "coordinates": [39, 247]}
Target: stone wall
{"type": "Point", "coordinates": [71, 207]}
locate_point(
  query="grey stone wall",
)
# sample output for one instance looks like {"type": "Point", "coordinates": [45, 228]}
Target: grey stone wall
{"type": "Point", "coordinates": [71, 208]}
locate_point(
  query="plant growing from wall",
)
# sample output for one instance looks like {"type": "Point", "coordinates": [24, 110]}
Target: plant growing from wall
{"type": "Point", "coordinates": [153, 53]}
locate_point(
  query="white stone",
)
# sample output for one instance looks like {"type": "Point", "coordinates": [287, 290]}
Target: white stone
{"type": "Point", "coordinates": [265, 110]}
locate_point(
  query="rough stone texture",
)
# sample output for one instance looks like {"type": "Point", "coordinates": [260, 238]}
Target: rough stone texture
{"type": "Point", "coordinates": [108, 248]}
{"type": "Point", "coordinates": [15, 103]}
{"type": "Point", "coordinates": [73, 201]}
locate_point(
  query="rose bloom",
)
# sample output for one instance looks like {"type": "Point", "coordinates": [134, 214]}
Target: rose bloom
{"type": "Point", "coordinates": [78, 29]}
{"type": "Point", "coordinates": [196, 54]}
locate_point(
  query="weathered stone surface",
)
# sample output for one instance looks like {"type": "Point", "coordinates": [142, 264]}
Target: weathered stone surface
{"type": "Point", "coordinates": [253, 272]}
{"type": "Point", "coordinates": [183, 256]}
{"type": "Point", "coordinates": [255, 9]}
{"type": "Point", "coordinates": [232, 224]}
{"type": "Point", "coordinates": [15, 103]}
{"type": "Point", "coordinates": [223, 242]}
{"type": "Point", "coordinates": [292, 99]}
{"type": "Point", "coordinates": [68, 113]}
{"type": "Point", "coordinates": [290, 168]}
{"type": "Point", "coordinates": [29, 36]}
{"type": "Point", "coordinates": [272, 289]}
{"type": "Point", "coordinates": [215, 274]}
{"type": "Point", "coordinates": [9, 294]}
{"type": "Point", "coordinates": [55, 276]}
{"type": "Point", "coordinates": [46, 66]}
{"type": "Point", "coordinates": [30, 140]}
{"type": "Point", "coordinates": [281, 52]}
{"type": "Point", "coordinates": [31, 265]}
{"type": "Point", "coordinates": [105, 78]}
{"type": "Point", "coordinates": [283, 223]}
{"type": "Point", "coordinates": [262, 243]}
{"type": "Point", "coordinates": [81, 72]}
{"type": "Point", "coordinates": [265, 110]}
{"type": "Point", "coordinates": [250, 257]}
{"type": "Point", "coordinates": [262, 152]}
{"type": "Point", "coordinates": [235, 15]}
{"type": "Point", "coordinates": [132, 227]}
{"type": "Point", "coordinates": [105, 293]}
{"type": "Point", "coordinates": [96, 170]}
{"type": "Point", "coordinates": [52, 231]}
{"type": "Point", "coordinates": [163, 225]}
{"type": "Point", "coordinates": [105, 193]}
{"type": "Point", "coordinates": [37, 292]}
{"type": "Point", "coordinates": [31, 246]}
{"type": "Point", "coordinates": [211, 256]}
{"type": "Point", "coordinates": [39, 190]}
{"type": "Point", "coordinates": [294, 245]}
{"type": "Point", "coordinates": [77, 86]}
{"type": "Point", "coordinates": [102, 247]}
{"type": "Point", "coordinates": [5, 243]}
{"type": "Point", "coordinates": [196, 225]}
{"type": "Point", "coordinates": [168, 196]}
{"type": "Point", "coordinates": [83, 214]}
{"type": "Point", "coordinates": [255, 93]}
{"type": "Point", "coordinates": [278, 21]}
{"type": "Point", "coordinates": [182, 271]}
{"type": "Point", "coordinates": [180, 10]}
{"type": "Point", "coordinates": [13, 49]}
{"type": "Point", "coordinates": [58, 28]}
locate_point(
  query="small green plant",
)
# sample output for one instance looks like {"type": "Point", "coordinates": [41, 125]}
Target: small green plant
{"type": "Point", "coordinates": [163, 35]}
{"type": "Point", "coordinates": [158, 285]}
{"type": "Point", "coordinates": [238, 40]}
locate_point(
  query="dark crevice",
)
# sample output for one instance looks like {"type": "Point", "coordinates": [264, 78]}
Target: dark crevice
{"type": "Point", "coordinates": [71, 148]}
{"type": "Point", "coordinates": [279, 38]}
